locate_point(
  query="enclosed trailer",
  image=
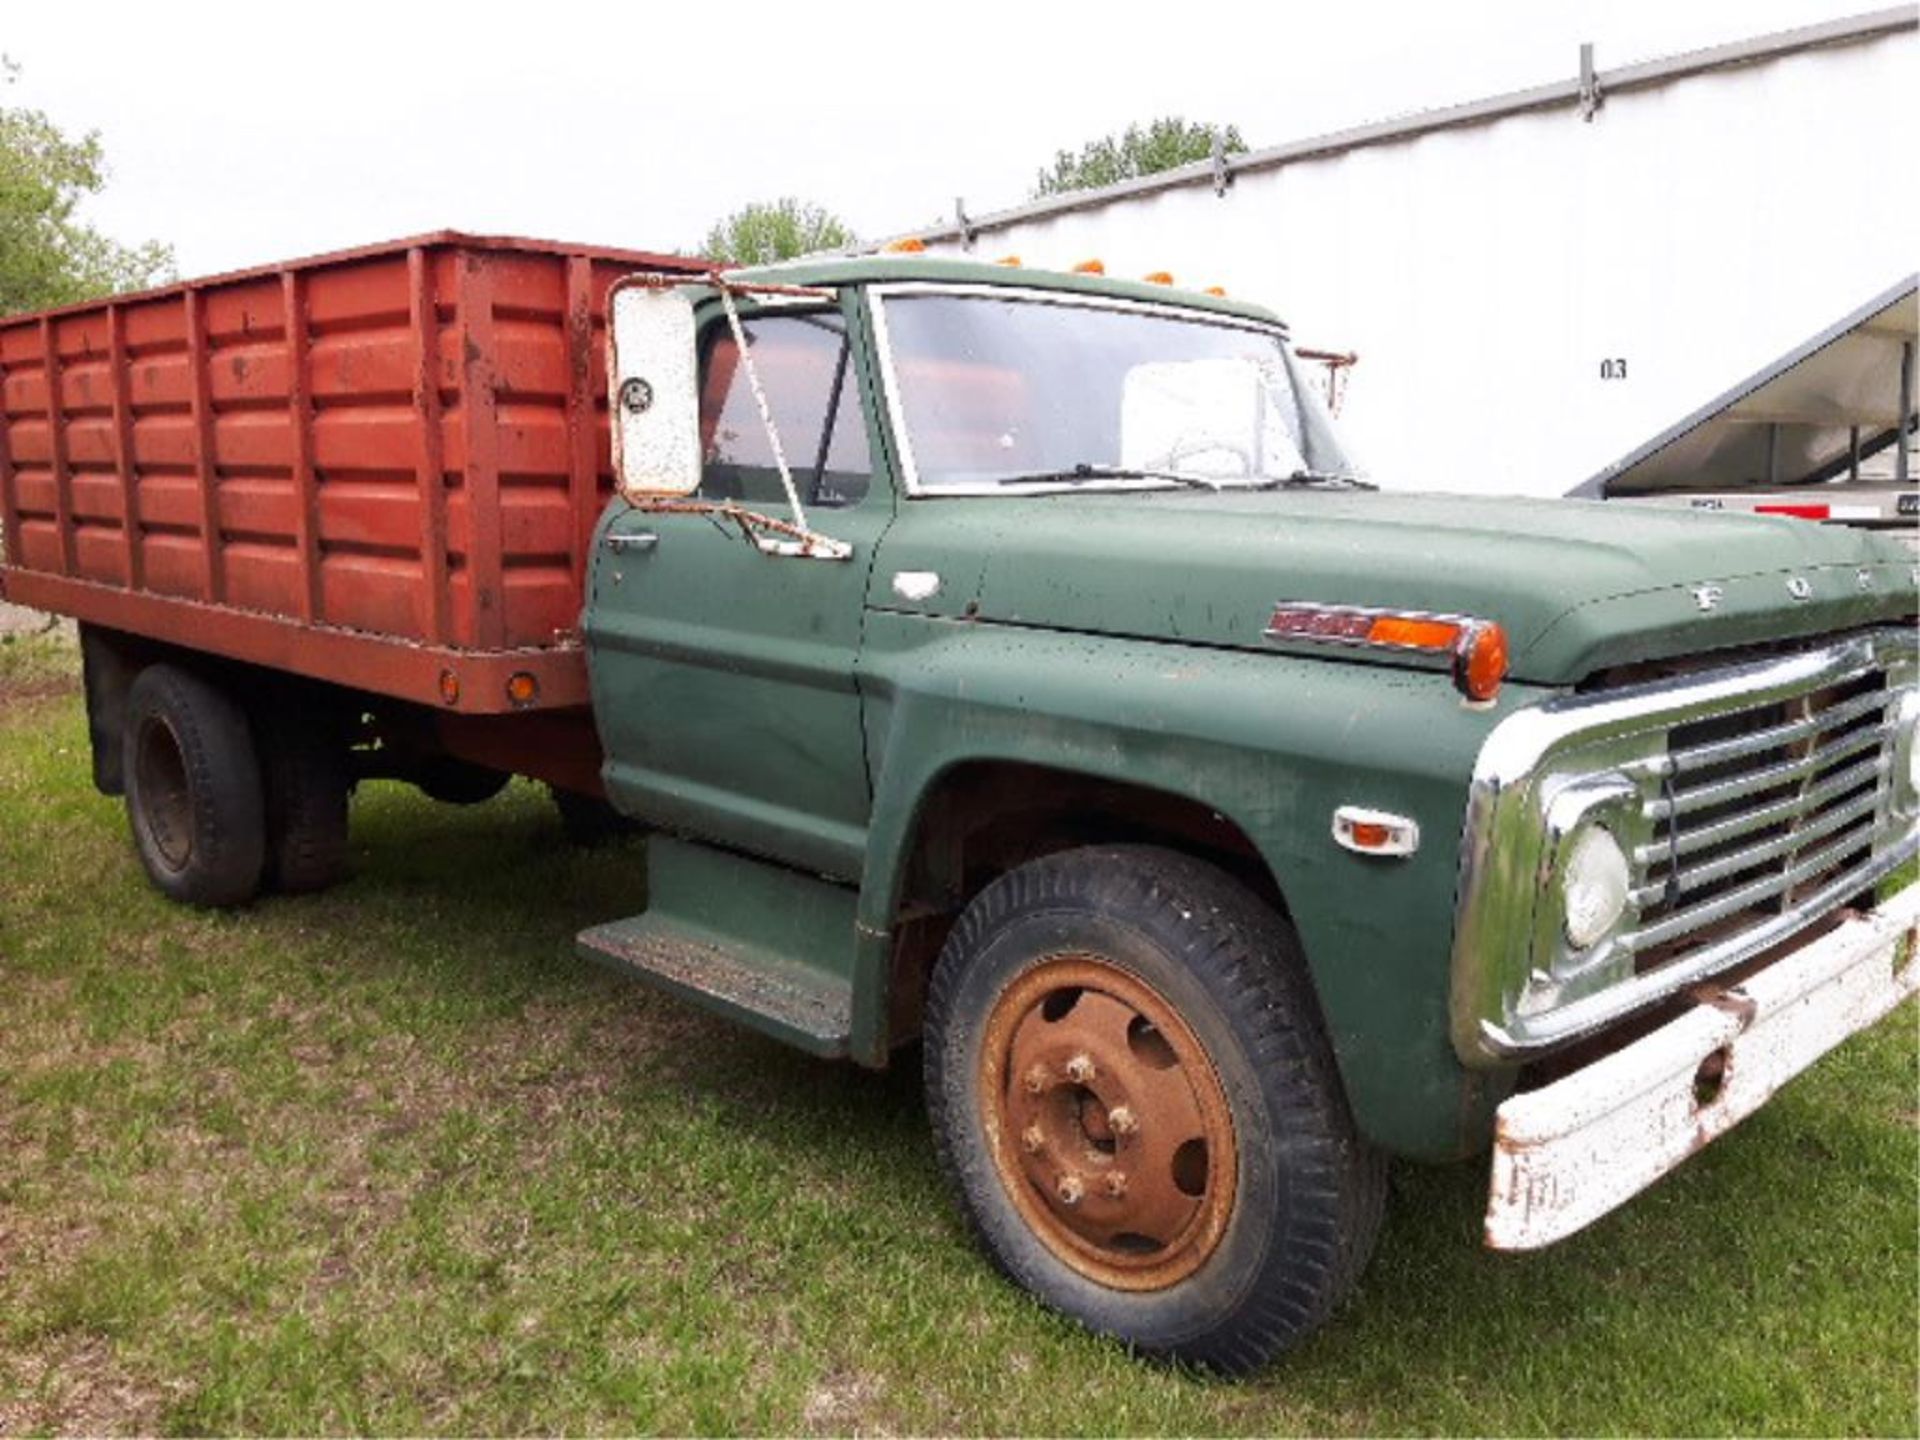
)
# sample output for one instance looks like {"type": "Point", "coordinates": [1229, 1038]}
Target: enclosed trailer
{"type": "Point", "coordinates": [1533, 280]}
{"type": "Point", "coordinates": [1825, 432]}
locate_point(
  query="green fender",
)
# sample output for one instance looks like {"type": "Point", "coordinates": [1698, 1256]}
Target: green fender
{"type": "Point", "coordinates": [1274, 744]}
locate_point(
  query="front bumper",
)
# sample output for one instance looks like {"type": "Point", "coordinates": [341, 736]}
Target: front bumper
{"type": "Point", "coordinates": [1566, 1154]}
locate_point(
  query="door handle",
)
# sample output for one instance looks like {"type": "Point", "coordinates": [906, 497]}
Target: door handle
{"type": "Point", "coordinates": [636, 542]}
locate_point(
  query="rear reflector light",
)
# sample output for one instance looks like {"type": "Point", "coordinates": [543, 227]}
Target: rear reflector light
{"type": "Point", "coordinates": [1477, 648]}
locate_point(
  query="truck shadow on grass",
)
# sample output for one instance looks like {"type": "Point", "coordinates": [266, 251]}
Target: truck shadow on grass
{"type": "Point", "coordinates": [1795, 1225]}
{"type": "Point", "coordinates": [406, 1111]}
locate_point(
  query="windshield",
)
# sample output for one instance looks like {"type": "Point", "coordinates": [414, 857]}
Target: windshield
{"type": "Point", "coordinates": [995, 391]}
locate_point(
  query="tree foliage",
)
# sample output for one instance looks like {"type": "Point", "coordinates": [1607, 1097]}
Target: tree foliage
{"type": "Point", "coordinates": [1160, 145]}
{"type": "Point", "coordinates": [770, 230]}
{"type": "Point", "coordinates": [47, 255]}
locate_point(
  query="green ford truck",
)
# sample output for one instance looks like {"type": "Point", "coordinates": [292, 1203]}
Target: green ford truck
{"type": "Point", "coordinates": [1014, 663]}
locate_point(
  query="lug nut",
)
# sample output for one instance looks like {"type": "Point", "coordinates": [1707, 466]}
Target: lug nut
{"type": "Point", "coordinates": [1035, 1080]}
{"type": "Point", "coordinates": [1121, 1120]}
{"type": "Point", "coordinates": [1034, 1139]}
{"type": "Point", "coordinates": [1115, 1182]}
{"type": "Point", "coordinates": [1080, 1069]}
{"type": "Point", "coordinates": [1070, 1189]}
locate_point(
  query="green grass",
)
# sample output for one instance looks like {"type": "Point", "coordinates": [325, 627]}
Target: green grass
{"type": "Point", "coordinates": [392, 1159]}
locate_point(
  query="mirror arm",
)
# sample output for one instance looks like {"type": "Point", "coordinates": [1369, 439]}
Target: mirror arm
{"type": "Point", "coordinates": [796, 541]}
{"type": "Point", "coordinates": [766, 411]}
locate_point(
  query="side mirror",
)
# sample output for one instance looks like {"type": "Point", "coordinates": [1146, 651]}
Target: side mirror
{"type": "Point", "coordinates": [655, 399]}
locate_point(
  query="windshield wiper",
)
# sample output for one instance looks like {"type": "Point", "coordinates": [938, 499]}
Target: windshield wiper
{"type": "Point", "coordinates": [1332, 480]}
{"type": "Point", "coordinates": [1082, 473]}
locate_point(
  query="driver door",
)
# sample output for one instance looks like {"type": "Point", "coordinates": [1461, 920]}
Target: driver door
{"type": "Point", "coordinates": [723, 676]}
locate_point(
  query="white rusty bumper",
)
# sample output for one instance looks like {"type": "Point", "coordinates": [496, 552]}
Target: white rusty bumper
{"type": "Point", "coordinates": [1566, 1154]}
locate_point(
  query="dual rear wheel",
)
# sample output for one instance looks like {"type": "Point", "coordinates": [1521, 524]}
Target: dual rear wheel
{"type": "Point", "coordinates": [222, 801]}
{"type": "Point", "coordinates": [227, 798]}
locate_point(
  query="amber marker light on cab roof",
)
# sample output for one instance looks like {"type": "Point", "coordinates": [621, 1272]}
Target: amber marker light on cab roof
{"type": "Point", "coordinates": [912, 245]}
{"type": "Point", "coordinates": [1477, 649]}
{"type": "Point", "coordinates": [1091, 267]}
{"type": "Point", "coordinates": [1012, 261]}
{"type": "Point", "coordinates": [1158, 277]}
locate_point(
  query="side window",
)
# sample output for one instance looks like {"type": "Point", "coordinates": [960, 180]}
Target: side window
{"type": "Point", "coordinates": [806, 370]}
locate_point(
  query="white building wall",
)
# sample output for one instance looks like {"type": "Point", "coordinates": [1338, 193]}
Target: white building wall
{"type": "Point", "coordinates": [1696, 229]}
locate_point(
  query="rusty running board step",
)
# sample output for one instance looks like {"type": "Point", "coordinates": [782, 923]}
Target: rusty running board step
{"type": "Point", "coordinates": [754, 942]}
{"type": "Point", "coordinates": [790, 1003]}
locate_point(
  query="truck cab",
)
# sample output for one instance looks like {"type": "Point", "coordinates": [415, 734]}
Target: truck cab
{"type": "Point", "coordinates": [1018, 663]}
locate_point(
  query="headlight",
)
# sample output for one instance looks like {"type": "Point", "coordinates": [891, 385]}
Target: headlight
{"type": "Point", "coordinates": [1906, 755]}
{"type": "Point", "coordinates": [1594, 887]}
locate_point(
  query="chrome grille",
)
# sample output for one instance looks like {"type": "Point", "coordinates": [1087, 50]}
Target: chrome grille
{"type": "Point", "coordinates": [1759, 809]}
{"type": "Point", "coordinates": [1752, 799]}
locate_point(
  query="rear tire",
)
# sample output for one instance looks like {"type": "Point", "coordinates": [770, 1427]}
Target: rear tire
{"type": "Point", "coordinates": [1130, 1012]}
{"type": "Point", "coordinates": [303, 758]}
{"type": "Point", "coordinates": [193, 789]}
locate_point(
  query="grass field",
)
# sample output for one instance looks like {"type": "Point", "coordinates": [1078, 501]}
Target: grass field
{"type": "Point", "coordinates": [392, 1159]}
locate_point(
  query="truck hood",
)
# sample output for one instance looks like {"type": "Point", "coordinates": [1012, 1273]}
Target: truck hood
{"type": "Point", "coordinates": [1579, 585]}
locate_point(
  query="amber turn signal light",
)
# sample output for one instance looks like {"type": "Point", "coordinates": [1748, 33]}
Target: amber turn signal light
{"type": "Point", "coordinates": [1413, 632]}
{"type": "Point", "coordinates": [1480, 660]}
{"type": "Point", "coordinates": [1478, 648]}
{"type": "Point", "coordinates": [1375, 832]}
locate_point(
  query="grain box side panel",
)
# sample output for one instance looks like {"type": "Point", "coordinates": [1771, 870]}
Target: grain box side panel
{"type": "Point", "coordinates": [360, 366]}
{"type": "Point", "coordinates": [534, 384]}
{"type": "Point", "coordinates": [84, 406]}
{"type": "Point", "coordinates": [16, 405]}
{"type": "Point", "coordinates": [163, 445]}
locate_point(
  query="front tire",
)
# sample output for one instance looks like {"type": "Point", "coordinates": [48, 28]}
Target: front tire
{"type": "Point", "coordinates": [1135, 1101]}
{"type": "Point", "coordinates": [193, 789]}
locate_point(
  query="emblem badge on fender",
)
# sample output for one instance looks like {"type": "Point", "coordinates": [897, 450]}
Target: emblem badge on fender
{"type": "Point", "coordinates": [1799, 587]}
{"type": "Point", "coordinates": [1708, 596]}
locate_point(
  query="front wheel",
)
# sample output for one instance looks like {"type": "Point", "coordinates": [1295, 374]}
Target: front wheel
{"type": "Point", "coordinates": [1134, 1098]}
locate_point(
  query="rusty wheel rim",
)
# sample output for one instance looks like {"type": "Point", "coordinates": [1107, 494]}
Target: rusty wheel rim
{"type": "Point", "coordinates": [1107, 1123]}
{"type": "Point", "coordinates": [166, 801]}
